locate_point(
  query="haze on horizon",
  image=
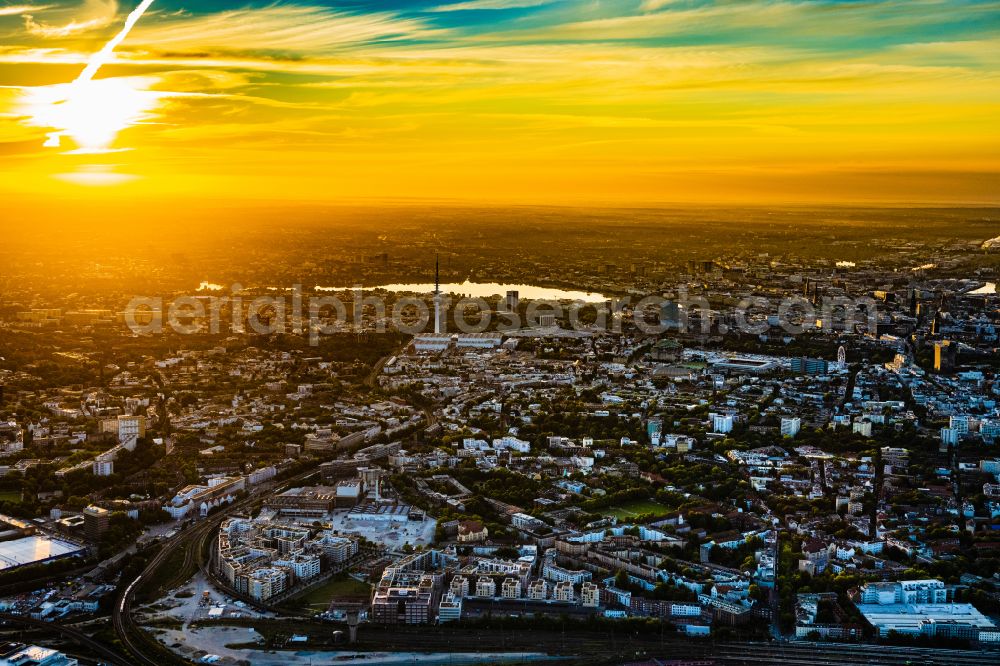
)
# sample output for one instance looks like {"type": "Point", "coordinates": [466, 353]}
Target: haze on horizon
{"type": "Point", "coordinates": [502, 101]}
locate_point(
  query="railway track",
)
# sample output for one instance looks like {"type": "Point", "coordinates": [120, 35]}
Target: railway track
{"type": "Point", "coordinates": [142, 647]}
{"type": "Point", "coordinates": [609, 647]}
{"type": "Point", "coordinates": [72, 633]}
{"type": "Point", "coordinates": [591, 649]}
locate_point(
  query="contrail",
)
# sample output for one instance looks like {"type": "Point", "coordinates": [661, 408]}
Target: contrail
{"type": "Point", "coordinates": [104, 55]}
{"type": "Point", "coordinates": [94, 64]}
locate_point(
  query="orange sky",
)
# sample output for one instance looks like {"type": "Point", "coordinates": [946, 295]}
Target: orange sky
{"type": "Point", "coordinates": [535, 101]}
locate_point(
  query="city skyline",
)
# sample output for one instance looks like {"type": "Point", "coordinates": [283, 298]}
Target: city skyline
{"type": "Point", "coordinates": [585, 332]}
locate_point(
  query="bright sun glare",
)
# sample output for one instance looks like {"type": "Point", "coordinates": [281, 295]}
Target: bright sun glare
{"type": "Point", "coordinates": [90, 113]}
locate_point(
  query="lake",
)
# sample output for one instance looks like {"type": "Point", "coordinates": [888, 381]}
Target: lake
{"type": "Point", "coordinates": [988, 288]}
{"type": "Point", "coordinates": [486, 290]}
{"type": "Point", "coordinates": [467, 288]}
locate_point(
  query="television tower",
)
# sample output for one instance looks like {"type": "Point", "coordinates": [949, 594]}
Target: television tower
{"type": "Point", "coordinates": [437, 294]}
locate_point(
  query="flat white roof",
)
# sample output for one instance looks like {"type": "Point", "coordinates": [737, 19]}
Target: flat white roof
{"type": "Point", "coordinates": [907, 617]}
{"type": "Point", "coordinates": [34, 549]}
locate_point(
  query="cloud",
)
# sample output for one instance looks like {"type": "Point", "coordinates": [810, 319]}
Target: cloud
{"type": "Point", "coordinates": [973, 52]}
{"type": "Point", "coordinates": [17, 10]}
{"type": "Point", "coordinates": [604, 90]}
{"type": "Point", "coordinates": [823, 22]}
{"type": "Point", "coordinates": [471, 5]}
{"type": "Point", "coordinates": [654, 5]}
{"type": "Point", "coordinates": [92, 15]}
{"type": "Point", "coordinates": [200, 80]}
{"type": "Point", "coordinates": [278, 28]}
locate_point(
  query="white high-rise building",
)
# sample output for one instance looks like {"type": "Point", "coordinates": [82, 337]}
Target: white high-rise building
{"type": "Point", "coordinates": [790, 426]}
{"type": "Point", "coordinates": [722, 423]}
{"type": "Point", "coordinates": [450, 609]}
{"type": "Point", "coordinates": [949, 436]}
{"type": "Point", "coordinates": [459, 586]}
{"type": "Point", "coordinates": [538, 590]}
{"type": "Point", "coordinates": [511, 588]}
{"type": "Point", "coordinates": [563, 591]}
{"type": "Point", "coordinates": [590, 595]}
{"type": "Point", "coordinates": [485, 587]}
{"type": "Point", "coordinates": [863, 428]}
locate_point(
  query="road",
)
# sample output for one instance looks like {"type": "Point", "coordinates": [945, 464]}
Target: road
{"type": "Point", "coordinates": [773, 596]}
{"type": "Point", "coordinates": [371, 380]}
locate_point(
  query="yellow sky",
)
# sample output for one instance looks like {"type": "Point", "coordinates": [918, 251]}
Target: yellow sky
{"type": "Point", "coordinates": [541, 101]}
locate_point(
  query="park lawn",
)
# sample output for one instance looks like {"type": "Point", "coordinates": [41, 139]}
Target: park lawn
{"type": "Point", "coordinates": [319, 598]}
{"type": "Point", "coordinates": [636, 508]}
{"type": "Point", "coordinates": [10, 495]}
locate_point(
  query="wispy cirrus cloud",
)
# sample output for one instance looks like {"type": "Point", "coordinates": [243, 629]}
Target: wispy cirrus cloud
{"type": "Point", "coordinates": [842, 25]}
{"type": "Point", "coordinates": [17, 10]}
{"type": "Point", "coordinates": [476, 5]}
{"type": "Point", "coordinates": [282, 27]}
{"type": "Point", "coordinates": [91, 15]}
{"type": "Point", "coordinates": [607, 91]}
{"type": "Point", "coordinates": [654, 5]}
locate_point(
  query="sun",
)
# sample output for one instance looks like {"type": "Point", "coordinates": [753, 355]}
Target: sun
{"type": "Point", "coordinates": [90, 113]}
